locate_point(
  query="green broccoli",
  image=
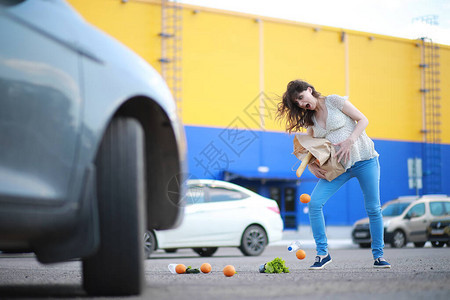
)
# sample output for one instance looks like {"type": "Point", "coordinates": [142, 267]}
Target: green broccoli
{"type": "Point", "coordinates": [276, 266]}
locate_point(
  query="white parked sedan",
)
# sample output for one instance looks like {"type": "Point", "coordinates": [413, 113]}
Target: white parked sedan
{"type": "Point", "coordinates": [221, 214]}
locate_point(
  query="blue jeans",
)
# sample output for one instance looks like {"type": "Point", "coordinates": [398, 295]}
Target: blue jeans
{"type": "Point", "coordinates": [368, 174]}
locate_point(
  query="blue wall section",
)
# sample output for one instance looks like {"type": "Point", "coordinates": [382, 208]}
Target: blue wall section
{"type": "Point", "coordinates": [211, 151]}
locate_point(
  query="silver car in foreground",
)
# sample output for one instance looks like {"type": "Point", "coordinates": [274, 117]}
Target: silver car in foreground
{"type": "Point", "coordinates": [91, 147]}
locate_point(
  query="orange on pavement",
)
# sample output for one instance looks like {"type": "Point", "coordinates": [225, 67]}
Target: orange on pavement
{"type": "Point", "coordinates": [205, 268]}
{"type": "Point", "coordinates": [229, 271]}
{"type": "Point", "coordinates": [180, 269]}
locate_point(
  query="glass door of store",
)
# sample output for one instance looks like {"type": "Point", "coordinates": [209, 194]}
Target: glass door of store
{"type": "Point", "coordinates": [285, 195]}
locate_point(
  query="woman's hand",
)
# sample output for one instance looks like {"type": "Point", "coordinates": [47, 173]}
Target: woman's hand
{"type": "Point", "coordinates": [317, 170]}
{"type": "Point", "coordinates": [344, 150]}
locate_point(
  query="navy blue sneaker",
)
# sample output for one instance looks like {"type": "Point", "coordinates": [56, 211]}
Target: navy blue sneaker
{"type": "Point", "coordinates": [321, 263]}
{"type": "Point", "coordinates": [381, 263]}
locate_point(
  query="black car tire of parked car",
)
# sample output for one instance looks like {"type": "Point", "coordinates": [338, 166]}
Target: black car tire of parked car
{"type": "Point", "coordinates": [205, 251]}
{"type": "Point", "coordinates": [117, 267]}
{"type": "Point", "coordinates": [172, 250]}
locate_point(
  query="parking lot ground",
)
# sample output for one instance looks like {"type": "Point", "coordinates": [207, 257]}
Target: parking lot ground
{"type": "Point", "coordinates": [416, 273]}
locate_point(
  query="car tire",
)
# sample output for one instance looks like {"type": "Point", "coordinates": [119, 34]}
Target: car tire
{"type": "Point", "coordinates": [171, 250]}
{"type": "Point", "coordinates": [437, 244]}
{"type": "Point", "coordinates": [419, 244]}
{"type": "Point", "coordinates": [398, 239]}
{"type": "Point", "coordinates": [117, 267]}
{"type": "Point", "coordinates": [205, 252]}
{"type": "Point", "coordinates": [253, 241]}
{"type": "Point", "coordinates": [149, 243]}
{"type": "Point", "coordinates": [364, 245]}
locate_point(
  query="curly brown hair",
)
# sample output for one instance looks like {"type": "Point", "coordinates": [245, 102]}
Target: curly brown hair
{"type": "Point", "coordinates": [295, 116]}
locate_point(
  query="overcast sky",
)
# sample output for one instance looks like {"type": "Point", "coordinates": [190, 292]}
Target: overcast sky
{"type": "Point", "coordinates": [387, 17]}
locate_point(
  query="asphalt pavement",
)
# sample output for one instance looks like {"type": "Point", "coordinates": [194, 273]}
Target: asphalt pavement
{"type": "Point", "coordinates": [416, 273]}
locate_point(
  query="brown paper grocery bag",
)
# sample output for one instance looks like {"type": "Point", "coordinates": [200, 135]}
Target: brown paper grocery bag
{"type": "Point", "coordinates": [322, 150]}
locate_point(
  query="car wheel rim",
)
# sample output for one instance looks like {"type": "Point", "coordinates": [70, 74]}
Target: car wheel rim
{"type": "Point", "coordinates": [255, 241]}
{"type": "Point", "coordinates": [399, 239]}
{"type": "Point", "coordinates": [148, 242]}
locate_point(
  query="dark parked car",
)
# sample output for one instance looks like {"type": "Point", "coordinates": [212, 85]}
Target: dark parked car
{"type": "Point", "coordinates": [438, 232]}
{"type": "Point", "coordinates": [90, 146]}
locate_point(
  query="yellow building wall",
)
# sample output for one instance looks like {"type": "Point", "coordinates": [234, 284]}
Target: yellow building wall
{"type": "Point", "coordinates": [297, 52]}
{"type": "Point", "coordinates": [222, 63]}
{"type": "Point", "coordinates": [444, 61]}
{"type": "Point", "coordinates": [385, 86]}
{"type": "Point", "coordinates": [136, 24]}
{"type": "Point", "coordinates": [220, 68]}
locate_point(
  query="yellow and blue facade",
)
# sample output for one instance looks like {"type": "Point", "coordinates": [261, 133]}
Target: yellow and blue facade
{"type": "Point", "coordinates": [236, 66]}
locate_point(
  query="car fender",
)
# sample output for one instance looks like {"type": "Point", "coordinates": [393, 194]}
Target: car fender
{"type": "Point", "coordinates": [142, 94]}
